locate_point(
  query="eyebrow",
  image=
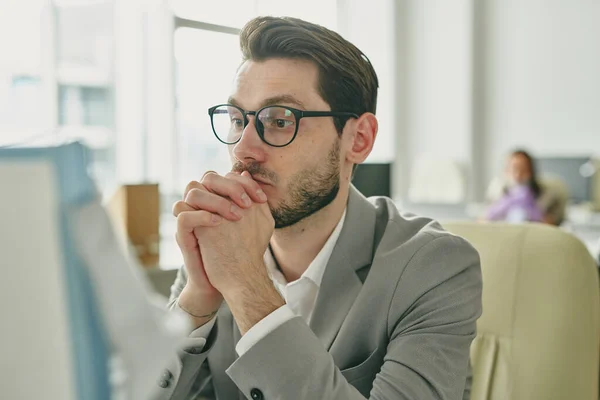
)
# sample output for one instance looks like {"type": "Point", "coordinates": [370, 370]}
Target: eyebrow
{"type": "Point", "coordinates": [281, 99]}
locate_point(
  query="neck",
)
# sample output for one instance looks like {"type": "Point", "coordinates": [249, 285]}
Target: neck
{"type": "Point", "coordinates": [295, 247]}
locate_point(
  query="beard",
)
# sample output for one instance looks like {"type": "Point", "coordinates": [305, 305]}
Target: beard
{"type": "Point", "coordinates": [309, 190]}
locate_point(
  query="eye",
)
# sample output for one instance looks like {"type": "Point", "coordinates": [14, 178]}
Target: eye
{"type": "Point", "coordinates": [277, 123]}
{"type": "Point", "coordinates": [237, 123]}
{"type": "Point", "coordinates": [282, 123]}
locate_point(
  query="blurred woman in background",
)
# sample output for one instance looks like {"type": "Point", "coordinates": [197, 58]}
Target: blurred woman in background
{"type": "Point", "coordinates": [518, 201]}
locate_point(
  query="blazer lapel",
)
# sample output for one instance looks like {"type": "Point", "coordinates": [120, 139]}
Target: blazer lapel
{"type": "Point", "coordinates": [340, 284]}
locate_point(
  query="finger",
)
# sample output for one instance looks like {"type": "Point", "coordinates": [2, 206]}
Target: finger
{"type": "Point", "coordinates": [200, 199]}
{"type": "Point", "coordinates": [240, 191]}
{"type": "Point", "coordinates": [251, 186]}
{"type": "Point", "coordinates": [246, 178]}
{"type": "Point", "coordinates": [180, 207]}
{"type": "Point", "coordinates": [267, 213]}
{"type": "Point", "coordinates": [192, 185]}
{"type": "Point", "coordinates": [187, 221]}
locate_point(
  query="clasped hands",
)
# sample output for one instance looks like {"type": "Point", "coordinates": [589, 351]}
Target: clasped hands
{"type": "Point", "coordinates": [224, 225]}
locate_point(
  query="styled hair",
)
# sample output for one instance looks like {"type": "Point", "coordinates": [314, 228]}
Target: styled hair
{"type": "Point", "coordinates": [534, 183]}
{"type": "Point", "coordinates": [347, 80]}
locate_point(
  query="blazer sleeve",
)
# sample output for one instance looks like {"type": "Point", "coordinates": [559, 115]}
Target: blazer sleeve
{"type": "Point", "coordinates": [431, 324]}
{"type": "Point", "coordinates": [189, 375]}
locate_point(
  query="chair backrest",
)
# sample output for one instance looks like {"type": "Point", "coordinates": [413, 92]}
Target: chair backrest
{"type": "Point", "coordinates": [554, 198]}
{"type": "Point", "coordinates": [539, 334]}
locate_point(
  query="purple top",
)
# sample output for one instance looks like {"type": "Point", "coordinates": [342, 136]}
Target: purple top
{"type": "Point", "coordinates": [517, 205]}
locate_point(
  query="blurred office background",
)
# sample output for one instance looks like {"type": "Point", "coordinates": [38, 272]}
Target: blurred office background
{"type": "Point", "coordinates": [462, 82]}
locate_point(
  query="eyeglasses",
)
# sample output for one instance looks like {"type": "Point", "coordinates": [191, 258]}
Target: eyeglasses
{"type": "Point", "coordinates": [277, 126]}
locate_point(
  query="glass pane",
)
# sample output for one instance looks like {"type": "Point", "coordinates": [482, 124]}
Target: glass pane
{"type": "Point", "coordinates": [235, 13]}
{"type": "Point", "coordinates": [322, 12]}
{"type": "Point", "coordinates": [206, 63]}
{"type": "Point", "coordinates": [89, 106]}
{"type": "Point", "coordinates": [85, 35]}
{"type": "Point", "coordinates": [20, 70]}
{"type": "Point", "coordinates": [85, 74]}
{"type": "Point", "coordinates": [232, 13]}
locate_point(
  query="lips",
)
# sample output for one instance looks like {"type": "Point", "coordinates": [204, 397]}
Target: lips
{"type": "Point", "coordinates": [257, 179]}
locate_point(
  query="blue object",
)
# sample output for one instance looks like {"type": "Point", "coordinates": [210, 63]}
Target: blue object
{"type": "Point", "coordinates": [89, 339]}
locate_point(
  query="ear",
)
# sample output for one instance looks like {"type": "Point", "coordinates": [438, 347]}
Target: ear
{"type": "Point", "coordinates": [363, 138]}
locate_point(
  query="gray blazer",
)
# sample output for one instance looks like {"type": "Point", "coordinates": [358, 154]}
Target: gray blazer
{"type": "Point", "coordinates": [394, 319]}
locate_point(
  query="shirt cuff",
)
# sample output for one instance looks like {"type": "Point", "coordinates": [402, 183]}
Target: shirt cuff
{"type": "Point", "coordinates": [265, 326]}
{"type": "Point", "coordinates": [204, 330]}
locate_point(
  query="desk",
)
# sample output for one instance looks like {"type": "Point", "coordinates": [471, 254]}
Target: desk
{"type": "Point", "coordinates": [585, 224]}
{"type": "Point", "coordinates": [589, 235]}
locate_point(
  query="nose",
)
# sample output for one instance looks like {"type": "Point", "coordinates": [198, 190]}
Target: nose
{"type": "Point", "coordinates": [250, 147]}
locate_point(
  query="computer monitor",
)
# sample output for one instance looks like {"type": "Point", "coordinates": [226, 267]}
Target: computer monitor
{"type": "Point", "coordinates": [373, 179]}
{"type": "Point", "coordinates": [569, 170]}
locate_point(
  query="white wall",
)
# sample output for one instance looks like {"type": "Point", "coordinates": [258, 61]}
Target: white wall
{"type": "Point", "coordinates": [434, 60]}
{"type": "Point", "coordinates": [371, 29]}
{"type": "Point", "coordinates": [439, 90]}
{"type": "Point", "coordinates": [476, 78]}
{"type": "Point", "coordinates": [541, 78]}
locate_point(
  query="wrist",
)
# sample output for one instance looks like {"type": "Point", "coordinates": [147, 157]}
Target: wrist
{"type": "Point", "coordinates": [197, 302]}
{"type": "Point", "coordinates": [250, 304]}
{"type": "Point", "coordinates": [255, 276]}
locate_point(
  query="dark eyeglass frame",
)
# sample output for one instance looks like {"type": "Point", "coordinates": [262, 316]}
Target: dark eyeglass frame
{"type": "Point", "coordinates": [298, 114]}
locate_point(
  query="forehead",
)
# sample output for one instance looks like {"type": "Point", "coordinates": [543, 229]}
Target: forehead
{"type": "Point", "coordinates": [257, 81]}
{"type": "Point", "coordinates": [518, 160]}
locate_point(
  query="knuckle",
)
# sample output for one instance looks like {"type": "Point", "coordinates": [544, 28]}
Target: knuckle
{"type": "Point", "coordinates": [179, 207]}
{"type": "Point", "coordinates": [181, 221]}
{"type": "Point", "coordinates": [192, 185]}
{"type": "Point", "coordinates": [194, 195]}
{"type": "Point", "coordinates": [209, 177]}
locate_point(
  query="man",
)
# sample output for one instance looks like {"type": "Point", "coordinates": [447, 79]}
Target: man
{"type": "Point", "coordinates": [298, 286]}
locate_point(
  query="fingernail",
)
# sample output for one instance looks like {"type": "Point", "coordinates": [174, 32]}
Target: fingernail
{"type": "Point", "coordinates": [246, 200]}
{"type": "Point", "coordinates": [236, 210]}
{"type": "Point", "coordinates": [261, 195]}
{"type": "Point", "coordinates": [215, 218]}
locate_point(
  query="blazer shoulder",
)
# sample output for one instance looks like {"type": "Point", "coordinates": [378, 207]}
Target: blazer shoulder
{"type": "Point", "coordinates": [400, 228]}
{"type": "Point", "coordinates": [408, 242]}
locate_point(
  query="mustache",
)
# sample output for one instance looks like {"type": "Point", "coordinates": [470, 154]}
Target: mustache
{"type": "Point", "coordinates": [255, 169]}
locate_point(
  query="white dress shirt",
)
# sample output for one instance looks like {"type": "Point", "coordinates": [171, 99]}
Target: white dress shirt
{"type": "Point", "coordinates": [300, 295]}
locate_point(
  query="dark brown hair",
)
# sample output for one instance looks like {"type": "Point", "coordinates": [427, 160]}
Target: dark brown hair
{"type": "Point", "coordinates": [347, 80]}
{"type": "Point", "coordinates": [533, 183]}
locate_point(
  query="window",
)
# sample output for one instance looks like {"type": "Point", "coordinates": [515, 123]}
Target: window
{"type": "Point", "coordinates": [20, 71]}
{"type": "Point", "coordinates": [203, 79]}
{"type": "Point", "coordinates": [233, 13]}
{"type": "Point", "coordinates": [56, 76]}
{"type": "Point", "coordinates": [84, 106]}
{"type": "Point", "coordinates": [84, 77]}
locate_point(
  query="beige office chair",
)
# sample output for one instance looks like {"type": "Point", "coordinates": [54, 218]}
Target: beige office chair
{"type": "Point", "coordinates": [552, 201]}
{"type": "Point", "coordinates": [538, 337]}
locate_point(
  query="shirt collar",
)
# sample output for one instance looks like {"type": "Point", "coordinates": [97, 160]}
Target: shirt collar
{"type": "Point", "coordinates": [316, 269]}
